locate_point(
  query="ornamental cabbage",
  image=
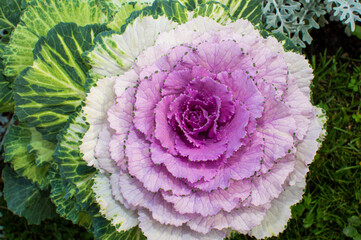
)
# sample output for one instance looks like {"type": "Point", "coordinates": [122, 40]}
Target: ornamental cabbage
{"type": "Point", "coordinates": [209, 131]}
{"type": "Point", "coordinates": [186, 122]}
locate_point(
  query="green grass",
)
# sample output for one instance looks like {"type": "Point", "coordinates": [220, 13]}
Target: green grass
{"type": "Point", "coordinates": [330, 207]}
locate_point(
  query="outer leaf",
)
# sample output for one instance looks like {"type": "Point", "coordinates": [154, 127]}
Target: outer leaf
{"type": "Point", "coordinates": [6, 98]}
{"type": "Point", "coordinates": [42, 149]}
{"type": "Point", "coordinates": [116, 5]}
{"type": "Point", "coordinates": [247, 9]}
{"type": "Point", "coordinates": [72, 167]}
{"type": "Point", "coordinates": [49, 91]}
{"type": "Point", "coordinates": [172, 9]}
{"type": "Point", "coordinates": [71, 186]}
{"type": "Point", "coordinates": [287, 43]}
{"type": "Point", "coordinates": [125, 10]}
{"type": "Point", "coordinates": [65, 202]}
{"type": "Point", "coordinates": [39, 17]}
{"type": "Point", "coordinates": [114, 53]}
{"type": "Point", "coordinates": [16, 143]}
{"type": "Point", "coordinates": [214, 10]}
{"type": "Point", "coordinates": [25, 198]}
{"type": "Point", "coordinates": [105, 231]}
{"type": "Point", "coordinates": [10, 12]}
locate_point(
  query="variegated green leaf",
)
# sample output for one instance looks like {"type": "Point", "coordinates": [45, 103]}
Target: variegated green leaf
{"type": "Point", "coordinates": [38, 18]}
{"type": "Point", "coordinates": [72, 185]}
{"type": "Point", "coordinates": [172, 9]}
{"type": "Point", "coordinates": [26, 199]}
{"type": "Point", "coordinates": [287, 43]}
{"type": "Point", "coordinates": [65, 201]}
{"type": "Point", "coordinates": [105, 231]}
{"type": "Point", "coordinates": [16, 144]}
{"type": "Point", "coordinates": [213, 10]}
{"type": "Point", "coordinates": [124, 11]}
{"type": "Point", "coordinates": [247, 9]}
{"type": "Point", "coordinates": [47, 93]}
{"type": "Point", "coordinates": [114, 53]}
{"type": "Point", "coordinates": [72, 167]}
{"type": "Point", "coordinates": [116, 5]}
{"type": "Point", "coordinates": [10, 12]}
{"type": "Point", "coordinates": [42, 150]}
{"type": "Point", "coordinates": [6, 97]}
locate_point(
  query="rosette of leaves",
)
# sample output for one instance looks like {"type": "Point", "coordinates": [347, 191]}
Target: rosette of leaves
{"type": "Point", "coordinates": [165, 120]}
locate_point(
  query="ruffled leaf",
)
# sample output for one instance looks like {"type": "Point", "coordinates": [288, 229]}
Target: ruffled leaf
{"type": "Point", "coordinates": [104, 230]}
{"type": "Point", "coordinates": [280, 212]}
{"type": "Point", "coordinates": [250, 10]}
{"type": "Point", "coordinates": [9, 17]}
{"type": "Point", "coordinates": [138, 197]}
{"type": "Point", "coordinates": [123, 11]}
{"type": "Point", "coordinates": [120, 217]}
{"type": "Point", "coordinates": [72, 167]}
{"type": "Point", "coordinates": [114, 53]}
{"type": "Point", "coordinates": [28, 161]}
{"type": "Point", "coordinates": [49, 91]}
{"type": "Point", "coordinates": [66, 205]}
{"type": "Point", "coordinates": [6, 92]}
{"type": "Point", "coordinates": [39, 17]}
{"type": "Point", "coordinates": [26, 199]}
{"type": "Point", "coordinates": [154, 230]}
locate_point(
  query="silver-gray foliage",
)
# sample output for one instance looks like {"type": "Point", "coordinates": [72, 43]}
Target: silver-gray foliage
{"type": "Point", "coordinates": [297, 17]}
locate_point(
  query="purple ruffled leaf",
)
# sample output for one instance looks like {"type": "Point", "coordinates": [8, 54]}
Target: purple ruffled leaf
{"type": "Point", "coordinates": [176, 82]}
{"type": "Point", "coordinates": [215, 57]}
{"type": "Point", "coordinates": [201, 72]}
{"type": "Point", "coordinates": [120, 115]}
{"type": "Point", "coordinates": [207, 204]}
{"type": "Point", "coordinates": [147, 96]}
{"type": "Point", "coordinates": [269, 186]}
{"type": "Point", "coordinates": [137, 196]}
{"type": "Point", "coordinates": [210, 87]}
{"type": "Point", "coordinates": [275, 132]}
{"type": "Point", "coordinates": [236, 130]}
{"type": "Point", "coordinates": [181, 167]}
{"type": "Point", "coordinates": [241, 219]}
{"type": "Point", "coordinates": [163, 130]}
{"type": "Point", "coordinates": [210, 150]}
{"type": "Point", "coordinates": [116, 149]}
{"type": "Point", "coordinates": [244, 90]}
{"type": "Point", "coordinates": [154, 230]}
{"type": "Point", "coordinates": [102, 151]}
{"type": "Point", "coordinates": [142, 167]}
{"type": "Point", "coordinates": [270, 67]}
{"type": "Point", "coordinates": [241, 165]}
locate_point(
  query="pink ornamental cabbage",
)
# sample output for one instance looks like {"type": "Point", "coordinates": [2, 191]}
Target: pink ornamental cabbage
{"type": "Point", "coordinates": [208, 130]}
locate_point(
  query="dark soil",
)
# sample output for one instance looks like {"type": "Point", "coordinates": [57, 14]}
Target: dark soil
{"type": "Point", "coordinates": [332, 37]}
